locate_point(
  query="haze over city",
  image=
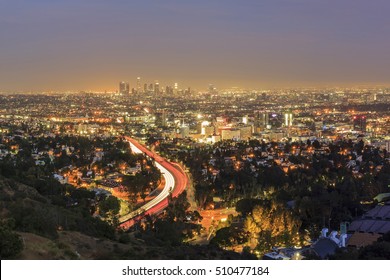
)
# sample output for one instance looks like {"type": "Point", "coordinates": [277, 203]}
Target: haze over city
{"type": "Point", "coordinates": [91, 45]}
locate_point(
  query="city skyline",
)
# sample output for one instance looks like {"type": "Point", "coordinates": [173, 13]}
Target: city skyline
{"type": "Point", "coordinates": [201, 130]}
{"type": "Point", "coordinates": [91, 45]}
{"type": "Point", "coordinates": [295, 170]}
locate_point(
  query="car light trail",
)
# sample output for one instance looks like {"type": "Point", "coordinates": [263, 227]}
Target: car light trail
{"type": "Point", "coordinates": [175, 183]}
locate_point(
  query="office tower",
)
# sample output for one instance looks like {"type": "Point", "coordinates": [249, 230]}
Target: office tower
{"type": "Point", "coordinates": [275, 120]}
{"type": "Point", "coordinates": [151, 87]}
{"type": "Point", "coordinates": [231, 134]}
{"type": "Point", "coordinates": [175, 88]}
{"type": "Point", "coordinates": [360, 123]}
{"type": "Point", "coordinates": [184, 131]}
{"type": "Point", "coordinates": [288, 119]}
{"type": "Point", "coordinates": [124, 88]}
{"type": "Point", "coordinates": [145, 88]}
{"type": "Point", "coordinates": [156, 88]}
{"type": "Point", "coordinates": [161, 118]}
{"type": "Point", "coordinates": [138, 84]}
{"type": "Point", "coordinates": [245, 132]}
{"type": "Point", "coordinates": [262, 119]}
{"type": "Point", "coordinates": [168, 90]}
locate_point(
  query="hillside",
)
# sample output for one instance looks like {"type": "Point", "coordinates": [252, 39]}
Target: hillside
{"type": "Point", "coordinates": [50, 230]}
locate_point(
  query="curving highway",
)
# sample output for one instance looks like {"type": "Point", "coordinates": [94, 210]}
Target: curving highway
{"type": "Point", "coordinates": [175, 183]}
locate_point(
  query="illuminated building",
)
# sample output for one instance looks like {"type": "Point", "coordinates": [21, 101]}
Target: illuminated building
{"type": "Point", "coordinates": [245, 132]}
{"type": "Point", "coordinates": [207, 129]}
{"type": "Point", "coordinates": [212, 89]}
{"type": "Point", "coordinates": [138, 84]}
{"type": "Point", "coordinates": [288, 119]}
{"type": "Point", "coordinates": [275, 120]}
{"type": "Point", "coordinates": [175, 88]}
{"type": "Point", "coordinates": [261, 121]}
{"type": "Point", "coordinates": [215, 138]}
{"type": "Point", "coordinates": [360, 123]}
{"type": "Point", "coordinates": [156, 88]}
{"type": "Point", "coordinates": [230, 134]}
{"type": "Point", "coordinates": [169, 90]}
{"type": "Point", "coordinates": [161, 118]}
{"type": "Point", "coordinates": [124, 88]}
{"type": "Point", "coordinates": [184, 131]}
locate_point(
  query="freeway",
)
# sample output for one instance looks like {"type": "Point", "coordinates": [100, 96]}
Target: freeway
{"type": "Point", "coordinates": [175, 183]}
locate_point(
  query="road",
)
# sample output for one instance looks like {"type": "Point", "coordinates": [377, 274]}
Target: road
{"type": "Point", "coordinates": [175, 181]}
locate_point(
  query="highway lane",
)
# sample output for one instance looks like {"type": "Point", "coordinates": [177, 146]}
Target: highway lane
{"type": "Point", "coordinates": [175, 183]}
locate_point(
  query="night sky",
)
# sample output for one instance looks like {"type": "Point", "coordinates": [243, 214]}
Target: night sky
{"type": "Point", "coordinates": [93, 44]}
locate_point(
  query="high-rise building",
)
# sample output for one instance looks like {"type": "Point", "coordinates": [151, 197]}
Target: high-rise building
{"type": "Point", "coordinates": [161, 118]}
{"type": "Point", "coordinates": [245, 132]}
{"type": "Point", "coordinates": [231, 134]}
{"type": "Point", "coordinates": [184, 131]}
{"type": "Point", "coordinates": [262, 120]}
{"type": "Point", "coordinates": [168, 90]}
{"type": "Point", "coordinates": [156, 88]}
{"type": "Point", "coordinates": [212, 89]}
{"type": "Point", "coordinates": [175, 88]}
{"type": "Point", "coordinates": [124, 88]}
{"type": "Point", "coordinates": [275, 120]}
{"type": "Point", "coordinates": [360, 123]}
{"type": "Point", "coordinates": [145, 88]}
{"type": "Point", "coordinates": [288, 119]}
{"type": "Point", "coordinates": [138, 84]}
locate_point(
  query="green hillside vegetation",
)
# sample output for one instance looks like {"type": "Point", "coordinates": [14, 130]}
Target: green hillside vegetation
{"type": "Point", "coordinates": [34, 226]}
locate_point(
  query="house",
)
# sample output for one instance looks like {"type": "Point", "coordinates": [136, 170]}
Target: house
{"type": "Point", "coordinates": [60, 178]}
{"type": "Point", "coordinates": [361, 239]}
{"type": "Point", "coordinates": [327, 245]}
{"type": "Point", "coordinates": [370, 227]}
{"type": "Point", "coordinates": [376, 220]}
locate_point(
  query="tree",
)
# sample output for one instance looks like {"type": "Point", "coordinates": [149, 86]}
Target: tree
{"type": "Point", "coordinates": [11, 244]}
{"type": "Point", "coordinates": [109, 208]}
{"type": "Point", "coordinates": [245, 206]}
{"type": "Point", "coordinates": [376, 251]}
{"type": "Point", "coordinates": [272, 224]}
{"type": "Point", "coordinates": [203, 192]}
{"type": "Point", "coordinates": [177, 210]}
{"type": "Point", "coordinates": [316, 144]}
{"type": "Point", "coordinates": [229, 236]}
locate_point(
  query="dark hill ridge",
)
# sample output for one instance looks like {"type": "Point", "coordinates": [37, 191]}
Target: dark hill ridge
{"type": "Point", "coordinates": [74, 245]}
{"type": "Point", "coordinates": [50, 230]}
